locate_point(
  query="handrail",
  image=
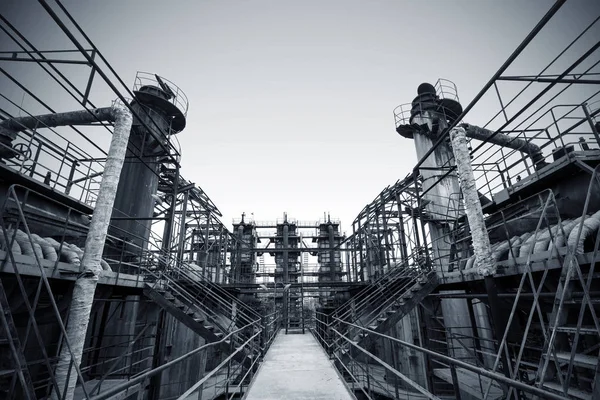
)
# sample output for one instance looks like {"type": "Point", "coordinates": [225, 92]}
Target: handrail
{"type": "Point", "coordinates": [211, 285]}
{"type": "Point", "coordinates": [172, 282]}
{"type": "Point", "coordinates": [119, 358]}
{"type": "Point", "coordinates": [44, 281]}
{"type": "Point", "coordinates": [217, 368]}
{"type": "Point", "coordinates": [217, 288]}
{"type": "Point", "coordinates": [395, 275]}
{"type": "Point", "coordinates": [553, 10]}
{"type": "Point", "coordinates": [397, 269]}
{"type": "Point", "coordinates": [492, 375]}
{"type": "Point", "coordinates": [142, 377]}
{"type": "Point", "coordinates": [400, 375]}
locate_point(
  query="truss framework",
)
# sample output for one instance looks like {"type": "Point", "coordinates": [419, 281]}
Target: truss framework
{"type": "Point", "coordinates": [547, 342]}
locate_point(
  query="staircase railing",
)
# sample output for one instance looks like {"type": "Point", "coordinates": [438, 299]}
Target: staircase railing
{"type": "Point", "coordinates": [372, 359]}
{"type": "Point", "coordinates": [376, 299]}
{"type": "Point", "coordinates": [14, 220]}
{"type": "Point", "coordinates": [227, 362]}
{"type": "Point", "coordinates": [212, 302]}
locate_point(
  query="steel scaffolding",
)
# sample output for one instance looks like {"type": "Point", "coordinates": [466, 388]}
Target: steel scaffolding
{"type": "Point", "coordinates": [187, 307]}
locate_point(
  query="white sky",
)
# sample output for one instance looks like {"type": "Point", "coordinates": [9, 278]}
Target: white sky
{"type": "Point", "coordinates": [291, 101]}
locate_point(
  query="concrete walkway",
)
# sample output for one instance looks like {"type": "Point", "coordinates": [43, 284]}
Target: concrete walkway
{"type": "Point", "coordinates": [296, 367]}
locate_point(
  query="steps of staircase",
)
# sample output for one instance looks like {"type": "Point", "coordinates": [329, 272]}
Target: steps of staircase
{"type": "Point", "coordinates": [577, 302]}
{"type": "Point", "coordinates": [416, 287]}
{"type": "Point", "coordinates": [576, 393]}
{"type": "Point", "coordinates": [580, 360]}
{"type": "Point", "coordinates": [584, 330]}
{"type": "Point", "coordinates": [575, 276]}
{"type": "Point", "coordinates": [406, 301]}
{"type": "Point", "coordinates": [198, 325]}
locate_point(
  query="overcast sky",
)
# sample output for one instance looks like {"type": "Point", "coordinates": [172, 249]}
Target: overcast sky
{"type": "Point", "coordinates": [291, 101]}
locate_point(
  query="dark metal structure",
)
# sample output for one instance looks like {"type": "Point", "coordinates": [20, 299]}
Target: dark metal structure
{"type": "Point", "coordinates": [186, 307]}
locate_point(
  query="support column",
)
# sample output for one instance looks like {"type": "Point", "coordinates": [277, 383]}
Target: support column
{"type": "Point", "coordinates": [378, 249]}
{"type": "Point", "coordinates": [348, 269]}
{"type": "Point", "coordinates": [441, 195]}
{"type": "Point", "coordinates": [236, 273]}
{"type": "Point", "coordinates": [402, 233]}
{"type": "Point", "coordinates": [205, 268]}
{"type": "Point", "coordinates": [182, 226]}
{"type": "Point", "coordinates": [484, 260]}
{"type": "Point", "coordinates": [385, 234]}
{"type": "Point", "coordinates": [332, 266]}
{"type": "Point", "coordinates": [219, 257]}
{"type": "Point", "coordinates": [285, 255]}
{"type": "Point", "coordinates": [85, 285]}
{"type": "Point", "coordinates": [169, 223]}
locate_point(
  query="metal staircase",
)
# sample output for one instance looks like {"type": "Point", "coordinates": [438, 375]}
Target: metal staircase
{"type": "Point", "coordinates": [207, 309]}
{"type": "Point", "coordinates": [381, 305]}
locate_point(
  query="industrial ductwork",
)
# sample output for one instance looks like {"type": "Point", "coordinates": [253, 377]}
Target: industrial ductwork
{"type": "Point", "coordinates": [9, 128]}
{"type": "Point", "coordinates": [431, 112]}
{"type": "Point", "coordinates": [500, 139]}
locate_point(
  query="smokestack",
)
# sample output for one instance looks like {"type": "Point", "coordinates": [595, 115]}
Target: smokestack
{"type": "Point", "coordinates": [430, 114]}
{"type": "Point", "coordinates": [161, 114]}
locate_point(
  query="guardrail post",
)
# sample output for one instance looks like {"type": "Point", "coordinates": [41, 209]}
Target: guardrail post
{"type": "Point", "coordinates": [264, 336]}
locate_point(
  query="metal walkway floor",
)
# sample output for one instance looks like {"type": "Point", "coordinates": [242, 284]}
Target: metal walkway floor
{"type": "Point", "coordinates": [296, 367]}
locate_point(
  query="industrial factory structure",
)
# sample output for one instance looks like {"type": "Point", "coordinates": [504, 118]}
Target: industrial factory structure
{"type": "Point", "coordinates": [474, 277]}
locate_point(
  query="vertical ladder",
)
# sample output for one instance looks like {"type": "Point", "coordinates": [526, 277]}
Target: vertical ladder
{"type": "Point", "coordinates": [302, 296]}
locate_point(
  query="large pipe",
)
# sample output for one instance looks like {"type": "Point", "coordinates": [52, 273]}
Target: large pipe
{"type": "Point", "coordinates": [85, 285]}
{"type": "Point", "coordinates": [486, 263]}
{"type": "Point", "coordinates": [9, 128]}
{"type": "Point", "coordinates": [500, 139]}
{"type": "Point", "coordinates": [139, 180]}
{"type": "Point", "coordinates": [540, 25]}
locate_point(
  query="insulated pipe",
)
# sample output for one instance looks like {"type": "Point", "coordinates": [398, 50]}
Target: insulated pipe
{"type": "Point", "coordinates": [532, 150]}
{"type": "Point", "coordinates": [485, 262]}
{"type": "Point", "coordinates": [85, 285]}
{"type": "Point", "coordinates": [484, 259]}
{"type": "Point", "coordinates": [540, 25]}
{"type": "Point", "coordinates": [9, 128]}
{"type": "Point", "coordinates": [139, 180]}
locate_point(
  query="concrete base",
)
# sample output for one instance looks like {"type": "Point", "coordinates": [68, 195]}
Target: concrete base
{"type": "Point", "coordinates": [296, 367]}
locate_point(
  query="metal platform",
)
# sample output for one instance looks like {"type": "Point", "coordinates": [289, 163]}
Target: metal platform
{"type": "Point", "coordinates": [296, 367]}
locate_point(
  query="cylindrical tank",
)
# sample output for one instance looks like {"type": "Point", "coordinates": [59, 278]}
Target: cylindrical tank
{"type": "Point", "coordinates": [157, 117]}
{"type": "Point", "coordinates": [443, 194]}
